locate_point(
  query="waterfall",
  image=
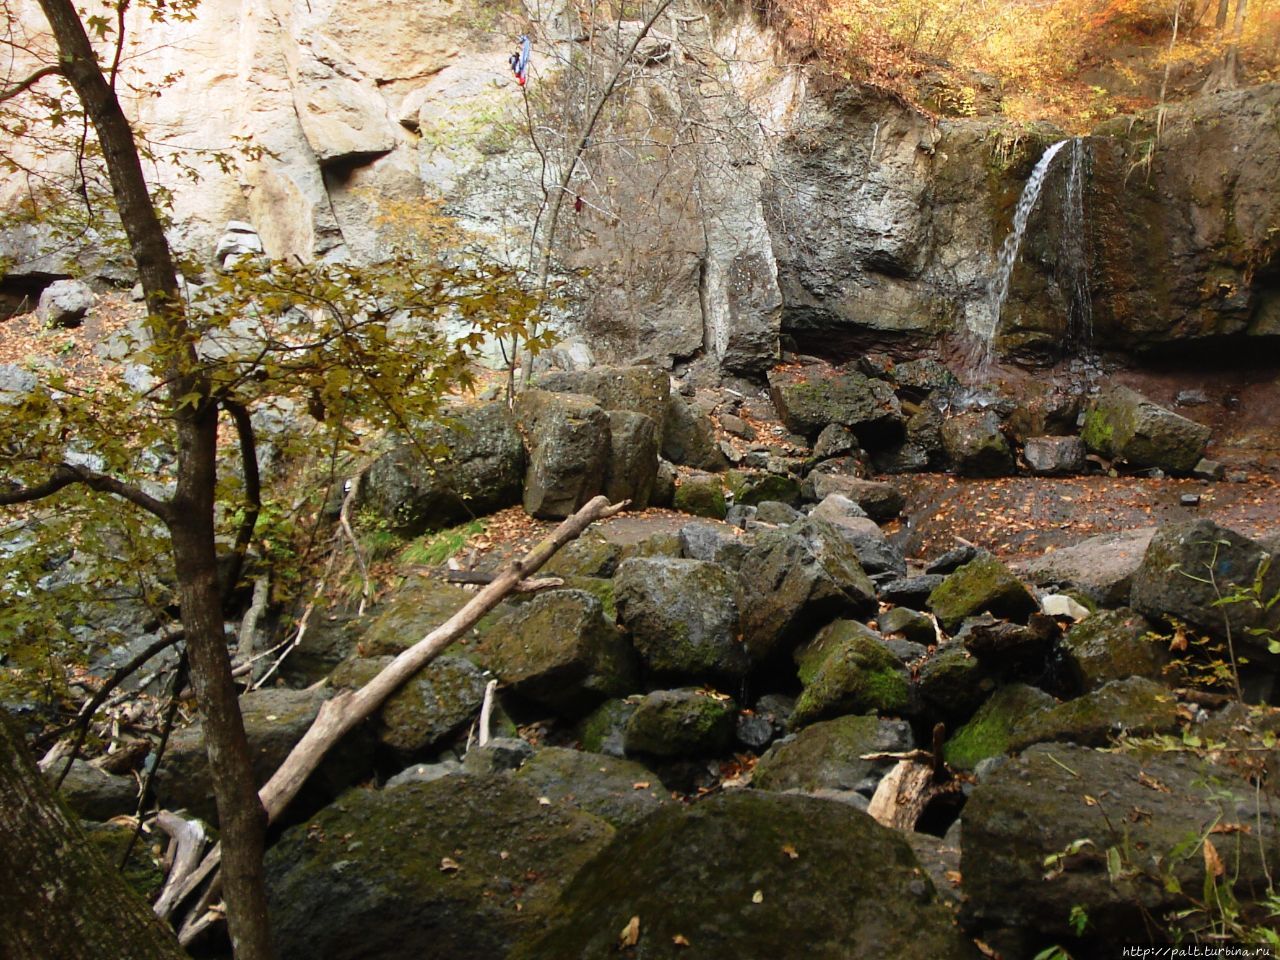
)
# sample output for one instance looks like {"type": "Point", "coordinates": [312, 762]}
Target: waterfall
{"type": "Point", "coordinates": [1073, 260]}
{"type": "Point", "coordinates": [986, 330]}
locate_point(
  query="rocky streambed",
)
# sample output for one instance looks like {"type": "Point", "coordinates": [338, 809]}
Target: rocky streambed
{"type": "Point", "coordinates": [800, 702]}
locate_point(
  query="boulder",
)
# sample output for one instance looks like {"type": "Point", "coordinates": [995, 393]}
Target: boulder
{"type": "Point", "coordinates": [604, 730]}
{"type": "Point", "coordinates": [701, 495]}
{"type": "Point", "coordinates": [766, 721]}
{"type": "Point", "coordinates": [682, 616]}
{"type": "Point", "coordinates": [913, 591]}
{"type": "Point", "coordinates": [776, 513]}
{"type": "Point", "coordinates": [976, 446]}
{"type": "Point", "coordinates": [499, 755]}
{"type": "Point", "coordinates": [714, 543]}
{"type": "Point", "coordinates": [753, 874]}
{"type": "Point", "coordinates": [1113, 645]}
{"type": "Point", "coordinates": [419, 606]}
{"type": "Point", "coordinates": [795, 578]}
{"type": "Point", "coordinates": [238, 240]}
{"type": "Point", "coordinates": [952, 683]}
{"type": "Point", "coordinates": [911, 624]}
{"type": "Point", "coordinates": [1052, 414]}
{"type": "Point", "coordinates": [664, 485]}
{"type": "Point", "coordinates": [569, 451]}
{"type": "Point", "coordinates": [1054, 456]}
{"type": "Point", "coordinates": [681, 723]}
{"type": "Point", "coordinates": [590, 555]}
{"type": "Point", "coordinates": [639, 389]}
{"type": "Point", "coordinates": [482, 472]}
{"type": "Point", "coordinates": [829, 755]}
{"type": "Point", "coordinates": [1118, 836]}
{"type": "Point", "coordinates": [428, 710]}
{"type": "Point", "coordinates": [847, 669]}
{"type": "Point", "coordinates": [64, 303]}
{"type": "Point", "coordinates": [982, 584]}
{"type": "Point", "coordinates": [1188, 566]}
{"type": "Point", "coordinates": [809, 398]}
{"type": "Point", "coordinates": [1135, 705]}
{"type": "Point", "coordinates": [633, 458]}
{"type": "Point", "coordinates": [560, 651]}
{"type": "Point", "coordinates": [990, 731]}
{"type": "Point", "coordinates": [923, 377]}
{"type": "Point", "coordinates": [1124, 425]}
{"type": "Point", "coordinates": [1100, 567]}
{"type": "Point", "coordinates": [329, 640]}
{"type": "Point", "coordinates": [1011, 649]}
{"type": "Point", "coordinates": [753, 489]}
{"type": "Point", "coordinates": [618, 791]}
{"type": "Point", "coordinates": [688, 438]}
{"type": "Point", "coordinates": [457, 867]}
{"type": "Point", "coordinates": [275, 719]}
{"type": "Point", "coordinates": [834, 440]}
{"type": "Point", "coordinates": [92, 793]}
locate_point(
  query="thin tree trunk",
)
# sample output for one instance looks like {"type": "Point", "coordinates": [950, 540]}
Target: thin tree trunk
{"type": "Point", "coordinates": [190, 513]}
{"type": "Point", "coordinates": [59, 900]}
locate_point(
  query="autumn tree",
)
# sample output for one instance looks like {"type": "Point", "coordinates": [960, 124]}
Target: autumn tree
{"type": "Point", "coordinates": [352, 345]}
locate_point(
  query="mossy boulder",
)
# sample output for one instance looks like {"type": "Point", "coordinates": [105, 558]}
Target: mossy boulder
{"type": "Point", "coordinates": [953, 683]}
{"type": "Point", "coordinates": [1149, 816]}
{"type": "Point", "coordinates": [482, 473]}
{"type": "Point", "coordinates": [591, 555]}
{"type": "Point", "coordinates": [428, 710]}
{"type": "Point", "coordinates": [911, 624]}
{"type": "Point", "coordinates": [638, 389]}
{"type": "Point", "coordinates": [975, 445]}
{"type": "Point", "coordinates": [681, 723]}
{"type": "Point", "coordinates": [633, 458]}
{"type": "Point", "coordinates": [797, 577]}
{"type": "Point", "coordinates": [990, 731]}
{"type": "Point", "coordinates": [753, 874]}
{"type": "Point", "coordinates": [850, 671]}
{"type": "Point", "coordinates": [809, 398]}
{"type": "Point", "coordinates": [682, 616]}
{"type": "Point", "coordinates": [753, 489]}
{"type": "Point", "coordinates": [701, 495]}
{"type": "Point", "coordinates": [1136, 705]}
{"type": "Point", "coordinates": [1124, 425]}
{"type": "Point", "coordinates": [618, 791]}
{"type": "Point", "coordinates": [561, 652]}
{"type": "Point", "coordinates": [688, 437]}
{"type": "Point", "coordinates": [569, 450]}
{"type": "Point", "coordinates": [419, 606]}
{"type": "Point", "coordinates": [604, 729]}
{"type": "Point", "coordinates": [982, 584]}
{"type": "Point", "coordinates": [1112, 645]}
{"type": "Point", "coordinates": [829, 755]}
{"type": "Point", "coordinates": [92, 793]}
{"type": "Point", "coordinates": [458, 867]}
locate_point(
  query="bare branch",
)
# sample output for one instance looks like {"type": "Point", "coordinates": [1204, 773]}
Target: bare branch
{"type": "Point", "coordinates": [29, 82]}
{"type": "Point", "coordinates": [65, 474]}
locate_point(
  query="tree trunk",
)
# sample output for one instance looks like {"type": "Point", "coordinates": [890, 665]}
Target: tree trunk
{"type": "Point", "coordinates": [59, 899]}
{"type": "Point", "coordinates": [190, 514]}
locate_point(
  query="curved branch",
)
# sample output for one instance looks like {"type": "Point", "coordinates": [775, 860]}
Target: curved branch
{"type": "Point", "coordinates": [30, 81]}
{"type": "Point", "coordinates": [252, 489]}
{"type": "Point", "coordinates": [65, 474]}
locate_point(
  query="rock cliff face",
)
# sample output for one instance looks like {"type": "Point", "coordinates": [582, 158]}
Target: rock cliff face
{"type": "Point", "coordinates": [722, 198]}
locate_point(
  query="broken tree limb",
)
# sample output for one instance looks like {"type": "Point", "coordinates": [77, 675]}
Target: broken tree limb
{"type": "Point", "coordinates": [348, 709]}
{"type": "Point", "coordinates": [486, 711]}
{"type": "Point", "coordinates": [902, 795]}
{"type": "Point", "coordinates": [186, 843]}
{"type": "Point", "coordinates": [477, 578]}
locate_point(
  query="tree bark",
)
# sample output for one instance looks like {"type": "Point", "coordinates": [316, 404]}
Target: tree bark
{"type": "Point", "coordinates": [59, 899]}
{"type": "Point", "coordinates": [190, 512]}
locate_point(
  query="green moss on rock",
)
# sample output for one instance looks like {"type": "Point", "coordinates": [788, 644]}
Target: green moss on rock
{"type": "Point", "coordinates": [701, 496]}
{"type": "Point", "coordinates": [857, 674]}
{"type": "Point", "coordinates": [989, 732]}
{"type": "Point", "coordinates": [681, 723]}
{"type": "Point", "coordinates": [983, 584]}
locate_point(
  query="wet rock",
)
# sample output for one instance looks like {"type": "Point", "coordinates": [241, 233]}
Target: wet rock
{"type": "Point", "coordinates": [847, 669]}
{"type": "Point", "coordinates": [569, 451]}
{"type": "Point", "coordinates": [795, 577]}
{"type": "Point", "coordinates": [274, 721]}
{"type": "Point", "coordinates": [810, 398]}
{"type": "Point", "coordinates": [681, 723]}
{"type": "Point", "coordinates": [1051, 414]}
{"type": "Point", "coordinates": [701, 495]}
{"type": "Point", "coordinates": [975, 445]}
{"type": "Point", "coordinates": [990, 731]}
{"type": "Point", "coordinates": [92, 793]}
{"type": "Point", "coordinates": [1124, 425]}
{"type": "Point", "coordinates": [633, 458]}
{"type": "Point", "coordinates": [753, 874]}
{"type": "Point", "coordinates": [1188, 566]}
{"type": "Point", "coordinates": [425, 869]}
{"type": "Point", "coordinates": [682, 616]}
{"type": "Point", "coordinates": [923, 377]}
{"type": "Point", "coordinates": [560, 651]}
{"type": "Point", "coordinates": [1135, 705]}
{"type": "Point", "coordinates": [829, 755]}
{"type": "Point", "coordinates": [618, 791]}
{"type": "Point", "coordinates": [64, 303]}
{"type": "Point", "coordinates": [1101, 567]}
{"type": "Point", "coordinates": [688, 437]}
{"type": "Point", "coordinates": [1054, 456]}
{"type": "Point", "coordinates": [981, 584]}
{"type": "Point", "coordinates": [483, 472]}
{"type": "Point", "coordinates": [1037, 807]}
{"type": "Point", "coordinates": [1113, 645]}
